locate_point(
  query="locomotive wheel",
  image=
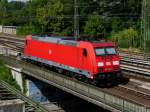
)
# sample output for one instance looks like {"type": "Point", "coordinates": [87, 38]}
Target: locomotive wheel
{"type": "Point", "coordinates": [119, 78]}
{"type": "Point", "coordinates": [119, 75]}
{"type": "Point", "coordinates": [78, 77]}
{"type": "Point", "coordinates": [68, 73]}
{"type": "Point", "coordinates": [86, 80]}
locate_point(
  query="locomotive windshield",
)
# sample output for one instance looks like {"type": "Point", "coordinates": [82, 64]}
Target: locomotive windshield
{"type": "Point", "coordinates": [105, 51]}
{"type": "Point", "coordinates": [110, 51]}
{"type": "Point", "coordinates": [100, 51]}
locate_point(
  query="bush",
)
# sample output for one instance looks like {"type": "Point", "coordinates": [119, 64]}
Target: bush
{"type": "Point", "coordinates": [127, 38]}
{"type": "Point", "coordinates": [28, 29]}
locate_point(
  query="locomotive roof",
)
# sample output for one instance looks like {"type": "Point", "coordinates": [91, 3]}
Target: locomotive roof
{"type": "Point", "coordinates": [69, 41]}
{"type": "Point", "coordinates": [57, 39]}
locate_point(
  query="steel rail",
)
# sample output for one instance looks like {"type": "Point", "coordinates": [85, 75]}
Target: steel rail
{"type": "Point", "coordinates": [12, 38]}
{"type": "Point", "coordinates": [19, 44]}
{"type": "Point", "coordinates": [134, 53]}
{"type": "Point", "coordinates": [135, 62]}
{"type": "Point", "coordinates": [136, 70]}
{"type": "Point", "coordinates": [137, 92]}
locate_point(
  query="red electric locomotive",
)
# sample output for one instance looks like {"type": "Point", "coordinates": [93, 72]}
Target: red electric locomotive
{"type": "Point", "coordinates": [91, 60]}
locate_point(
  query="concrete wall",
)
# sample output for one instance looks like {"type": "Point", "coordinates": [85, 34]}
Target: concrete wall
{"type": "Point", "coordinates": [8, 29]}
{"type": "Point", "coordinates": [16, 73]}
{"type": "Point", "coordinates": [1, 28]}
{"type": "Point", "coordinates": [16, 105]}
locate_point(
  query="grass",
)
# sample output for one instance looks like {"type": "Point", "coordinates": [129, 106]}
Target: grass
{"type": "Point", "coordinates": [6, 76]}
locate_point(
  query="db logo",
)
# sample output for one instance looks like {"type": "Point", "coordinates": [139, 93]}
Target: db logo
{"type": "Point", "coordinates": [50, 52]}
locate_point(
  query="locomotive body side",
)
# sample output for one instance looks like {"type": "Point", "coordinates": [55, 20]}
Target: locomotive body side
{"type": "Point", "coordinates": [72, 58]}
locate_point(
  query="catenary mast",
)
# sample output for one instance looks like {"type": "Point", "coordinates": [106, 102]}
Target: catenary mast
{"type": "Point", "coordinates": [76, 20]}
{"type": "Point", "coordinates": [146, 24]}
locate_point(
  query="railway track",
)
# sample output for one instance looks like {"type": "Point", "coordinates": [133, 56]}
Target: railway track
{"type": "Point", "coordinates": [135, 55]}
{"type": "Point", "coordinates": [136, 70]}
{"type": "Point", "coordinates": [136, 62]}
{"type": "Point", "coordinates": [8, 92]}
{"type": "Point", "coordinates": [138, 59]}
{"type": "Point", "coordinates": [8, 37]}
{"type": "Point", "coordinates": [132, 92]}
{"type": "Point", "coordinates": [15, 42]}
{"type": "Point", "coordinates": [136, 89]}
{"type": "Point", "coordinates": [136, 65]}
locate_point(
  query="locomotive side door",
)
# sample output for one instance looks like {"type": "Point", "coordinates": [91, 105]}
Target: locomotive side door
{"type": "Point", "coordinates": [83, 59]}
{"type": "Point", "coordinates": [27, 47]}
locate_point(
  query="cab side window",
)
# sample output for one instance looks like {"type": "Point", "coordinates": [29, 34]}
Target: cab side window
{"type": "Point", "coordinates": [84, 52]}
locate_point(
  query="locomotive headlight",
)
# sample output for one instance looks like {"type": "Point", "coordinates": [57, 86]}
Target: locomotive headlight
{"type": "Point", "coordinates": [115, 62]}
{"type": "Point", "coordinates": [100, 64]}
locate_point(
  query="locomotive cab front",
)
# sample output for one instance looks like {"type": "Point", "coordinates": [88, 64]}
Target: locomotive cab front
{"type": "Point", "coordinates": [107, 60]}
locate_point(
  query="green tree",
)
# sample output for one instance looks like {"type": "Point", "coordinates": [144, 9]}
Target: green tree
{"type": "Point", "coordinates": [94, 25]}
{"type": "Point", "coordinates": [3, 11]}
{"type": "Point", "coordinates": [51, 16]}
{"type": "Point", "coordinates": [57, 16]}
{"type": "Point", "coordinates": [127, 38]}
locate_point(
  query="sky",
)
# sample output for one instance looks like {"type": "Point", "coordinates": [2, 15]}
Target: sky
{"type": "Point", "coordinates": [18, 0]}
